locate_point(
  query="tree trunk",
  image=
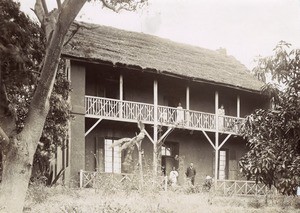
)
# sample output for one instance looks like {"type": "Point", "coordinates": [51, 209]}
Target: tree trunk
{"type": "Point", "coordinates": [141, 173]}
{"type": "Point", "coordinates": [17, 166]}
{"type": "Point", "coordinates": [19, 153]}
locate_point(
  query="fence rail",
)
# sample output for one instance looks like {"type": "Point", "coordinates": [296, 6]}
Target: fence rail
{"type": "Point", "coordinates": [240, 187]}
{"type": "Point", "coordinates": [168, 116]}
{"type": "Point", "coordinates": [88, 179]}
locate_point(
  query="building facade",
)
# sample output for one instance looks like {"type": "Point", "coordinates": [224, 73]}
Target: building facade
{"type": "Point", "coordinates": [191, 100]}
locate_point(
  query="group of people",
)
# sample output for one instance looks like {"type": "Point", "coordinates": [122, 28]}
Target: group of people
{"type": "Point", "coordinates": [190, 175]}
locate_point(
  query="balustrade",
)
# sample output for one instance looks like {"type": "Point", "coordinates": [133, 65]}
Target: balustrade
{"type": "Point", "coordinates": [167, 116]}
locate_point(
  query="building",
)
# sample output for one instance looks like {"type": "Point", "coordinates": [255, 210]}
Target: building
{"type": "Point", "coordinates": [120, 77]}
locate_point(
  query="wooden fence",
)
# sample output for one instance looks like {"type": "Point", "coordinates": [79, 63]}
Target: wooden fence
{"type": "Point", "coordinates": [241, 187]}
{"type": "Point", "coordinates": [130, 181]}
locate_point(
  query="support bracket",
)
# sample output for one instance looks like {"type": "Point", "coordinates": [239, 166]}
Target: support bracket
{"type": "Point", "coordinates": [90, 129]}
{"type": "Point", "coordinates": [209, 140]}
{"type": "Point", "coordinates": [169, 130]}
{"type": "Point", "coordinates": [224, 141]}
{"type": "Point", "coordinates": [147, 134]}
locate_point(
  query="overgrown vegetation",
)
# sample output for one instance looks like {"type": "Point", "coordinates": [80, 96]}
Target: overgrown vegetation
{"type": "Point", "coordinates": [274, 134]}
{"type": "Point", "coordinates": [60, 199]}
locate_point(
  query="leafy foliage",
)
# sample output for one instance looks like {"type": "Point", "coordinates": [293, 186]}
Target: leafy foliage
{"type": "Point", "coordinates": [129, 5]}
{"type": "Point", "coordinates": [274, 134]}
{"type": "Point", "coordinates": [22, 48]}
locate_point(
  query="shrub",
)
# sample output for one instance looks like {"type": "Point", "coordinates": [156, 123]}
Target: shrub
{"type": "Point", "coordinates": [255, 203]}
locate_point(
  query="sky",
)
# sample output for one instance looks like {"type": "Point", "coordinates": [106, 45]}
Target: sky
{"type": "Point", "coordinates": [245, 28]}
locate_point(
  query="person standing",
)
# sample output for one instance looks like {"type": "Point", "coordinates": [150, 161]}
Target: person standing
{"type": "Point", "coordinates": [191, 173]}
{"type": "Point", "coordinates": [221, 113]}
{"type": "Point", "coordinates": [173, 177]}
{"type": "Point", "coordinates": [180, 115]}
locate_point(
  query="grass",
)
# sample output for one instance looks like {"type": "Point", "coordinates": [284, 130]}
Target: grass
{"type": "Point", "coordinates": [62, 199]}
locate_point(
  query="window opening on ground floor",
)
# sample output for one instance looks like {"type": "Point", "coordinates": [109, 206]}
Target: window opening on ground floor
{"type": "Point", "coordinates": [112, 157]}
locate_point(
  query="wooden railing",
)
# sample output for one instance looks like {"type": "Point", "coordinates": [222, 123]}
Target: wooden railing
{"type": "Point", "coordinates": [88, 179]}
{"type": "Point", "coordinates": [117, 181]}
{"type": "Point", "coordinates": [113, 109]}
{"type": "Point", "coordinates": [241, 187]}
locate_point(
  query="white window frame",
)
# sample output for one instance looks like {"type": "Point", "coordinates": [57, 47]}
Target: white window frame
{"type": "Point", "coordinates": [112, 157]}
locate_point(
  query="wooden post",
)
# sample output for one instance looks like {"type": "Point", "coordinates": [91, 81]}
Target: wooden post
{"type": "Point", "coordinates": [188, 98]}
{"type": "Point", "coordinates": [216, 135]}
{"type": "Point", "coordinates": [121, 96]}
{"type": "Point", "coordinates": [235, 184]}
{"type": "Point", "coordinates": [238, 106]}
{"type": "Point", "coordinates": [80, 178]}
{"type": "Point", "coordinates": [155, 129]}
{"type": "Point", "coordinates": [187, 114]}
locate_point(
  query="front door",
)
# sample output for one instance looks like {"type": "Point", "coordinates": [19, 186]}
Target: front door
{"type": "Point", "coordinates": [169, 151]}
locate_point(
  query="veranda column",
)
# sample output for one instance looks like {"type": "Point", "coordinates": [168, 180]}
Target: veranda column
{"type": "Point", "coordinates": [216, 135]}
{"type": "Point", "coordinates": [238, 106]}
{"type": "Point", "coordinates": [187, 114]}
{"type": "Point", "coordinates": [121, 96]}
{"type": "Point", "coordinates": [188, 98]}
{"type": "Point", "coordinates": [155, 132]}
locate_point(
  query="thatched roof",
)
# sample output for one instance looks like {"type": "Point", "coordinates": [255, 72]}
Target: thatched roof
{"type": "Point", "coordinates": [151, 53]}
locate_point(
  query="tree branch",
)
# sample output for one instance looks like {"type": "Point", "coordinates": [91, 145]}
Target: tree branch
{"type": "Point", "coordinates": [78, 26]}
{"type": "Point", "coordinates": [45, 7]}
{"type": "Point", "coordinates": [109, 6]}
{"type": "Point", "coordinates": [58, 4]}
{"type": "Point", "coordinates": [39, 106]}
{"type": "Point", "coordinates": [39, 11]}
{"type": "Point", "coordinates": [129, 5]}
{"type": "Point", "coordinates": [3, 97]}
{"type": "Point", "coordinates": [121, 141]}
{"type": "Point", "coordinates": [4, 139]}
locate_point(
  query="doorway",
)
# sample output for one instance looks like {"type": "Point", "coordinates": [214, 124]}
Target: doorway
{"type": "Point", "coordinates": [169, 151]}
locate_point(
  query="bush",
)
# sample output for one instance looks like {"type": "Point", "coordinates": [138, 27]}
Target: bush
{"type": "Point", "coordinates": [255, 203]}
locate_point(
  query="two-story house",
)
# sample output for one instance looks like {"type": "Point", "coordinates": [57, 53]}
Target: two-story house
{"type": "Point", "coordinates": [120, 77]}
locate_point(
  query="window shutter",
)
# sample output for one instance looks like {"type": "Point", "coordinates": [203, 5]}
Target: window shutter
{"type": "Point", "coordinates": [99, 146]}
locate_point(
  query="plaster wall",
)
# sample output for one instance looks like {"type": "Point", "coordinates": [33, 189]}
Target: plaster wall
{"type": "Point", "coordinates": [77, 145]}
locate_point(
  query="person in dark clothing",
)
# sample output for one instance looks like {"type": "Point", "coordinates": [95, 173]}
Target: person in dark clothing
{"type": "Point", "coordinates": [191, 173]}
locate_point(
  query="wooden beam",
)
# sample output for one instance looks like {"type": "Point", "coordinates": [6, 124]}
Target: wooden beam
{"type": "Point", "coordinates": [147, 134]}
{"type": "Point", "coordinates": [165, 135]}
{"type": "Point", "coordinates": [216, 135]}
{"type": "Point", "coordinates": [155, 128]}
{"type": "Point", "coordinates": [209, 140]}
{"type": "Point", "coordinates": [188, 98]}
{"type": "Point", "coordinates": [238, 106]}
{"type": "Point", "coordinates": [90, 129]}
{"type": "Point", "coordinates": [121, 96]}
{"type": "Point", "coordinates": [121, 87]}
{"type": "Point", "coordinates": [155, 102]}
{"type": "Point", "coordinates": [224, 141]}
